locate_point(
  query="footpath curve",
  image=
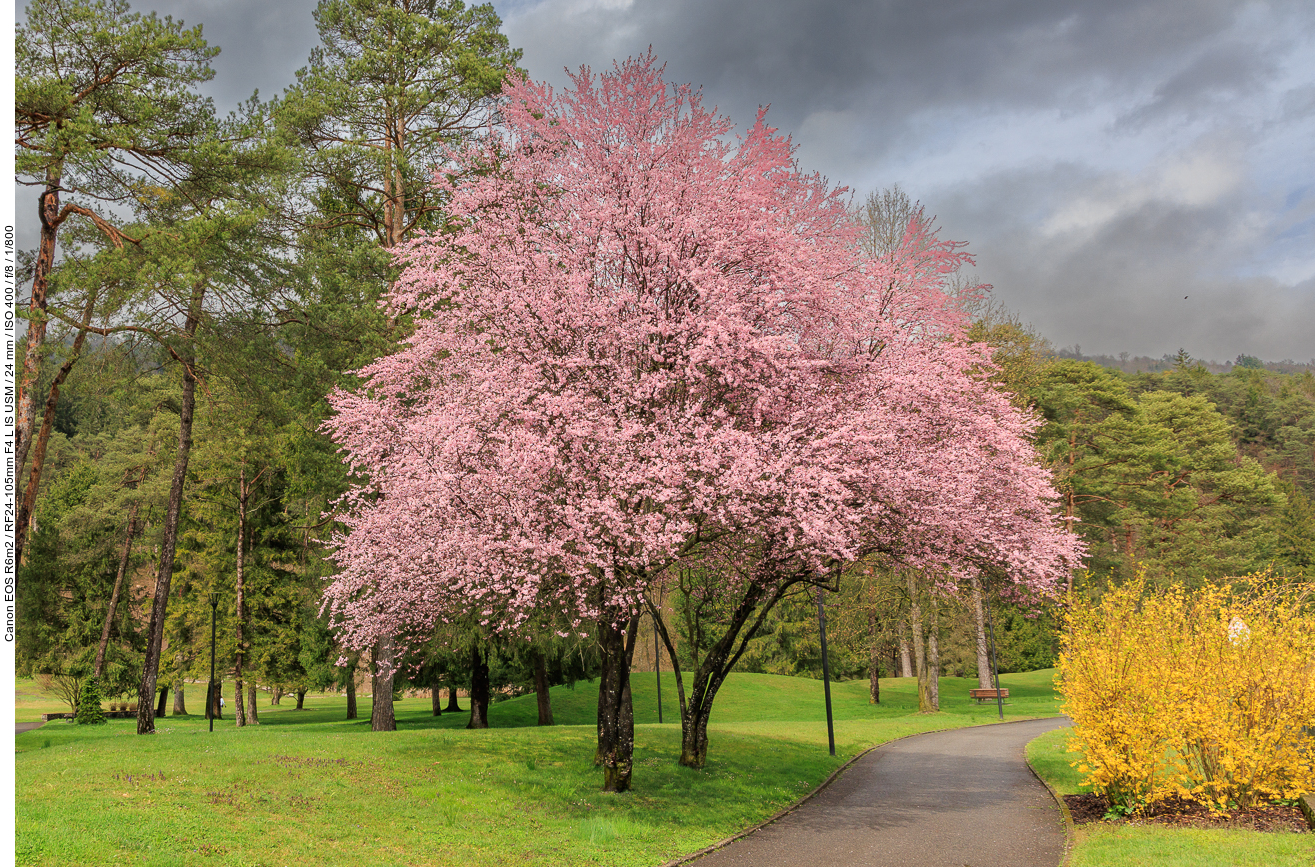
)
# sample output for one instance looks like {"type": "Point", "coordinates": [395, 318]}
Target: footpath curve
{"type": "Point", "coordinates": [961, 798]}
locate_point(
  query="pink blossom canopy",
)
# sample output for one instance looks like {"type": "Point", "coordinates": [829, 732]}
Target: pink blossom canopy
{"type": "Point", "coordinates": [639, 332]}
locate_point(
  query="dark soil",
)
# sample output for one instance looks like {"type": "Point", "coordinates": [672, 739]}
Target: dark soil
{"type": "Point", "coordinates": [1178, 813]}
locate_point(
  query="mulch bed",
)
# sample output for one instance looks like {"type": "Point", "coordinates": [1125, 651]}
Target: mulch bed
{"type": "Point", "coordinates": [1178, 813]}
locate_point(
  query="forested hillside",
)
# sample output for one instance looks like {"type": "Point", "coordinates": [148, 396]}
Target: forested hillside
{"type": "Point", "coordinates": [203, 284]}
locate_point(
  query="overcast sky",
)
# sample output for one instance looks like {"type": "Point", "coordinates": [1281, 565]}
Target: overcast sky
{"type": "Point", "coordinates": [1103, 158]}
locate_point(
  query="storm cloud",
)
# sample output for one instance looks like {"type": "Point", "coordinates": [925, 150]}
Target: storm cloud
{"type": "Point", "coordinates": [1104, 159]}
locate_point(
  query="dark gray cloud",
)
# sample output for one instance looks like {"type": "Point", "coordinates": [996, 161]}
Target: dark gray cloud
{"type": "Point", "coordinates": [262, 42]}
{"type": "Point", "coordinates": [1103, 157]}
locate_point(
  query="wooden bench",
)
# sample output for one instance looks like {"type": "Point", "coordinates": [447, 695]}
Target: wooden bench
{"type": "Point", "coordinates": [983, 694]}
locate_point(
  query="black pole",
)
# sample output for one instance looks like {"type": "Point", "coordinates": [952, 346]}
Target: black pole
{"type": "Point", "coordinates": [210, 699]}
{"type": "Point", "coordinates": [995, 668]}
{"type": "Point", "coordinates": [826, 673]}
{"type": "Point", "coordinates": [657, 666]}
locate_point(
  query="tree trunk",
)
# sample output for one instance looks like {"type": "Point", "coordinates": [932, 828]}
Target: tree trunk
{"type": "Point", "coordinates": [934, 657]}
{"type": "Point", "coordinates": [979, 620]}
{"type": "Point", "coordinates": [243, 492]}
{"type": "Point", "coordinates": [253, 716]}
{"type": "Point", "coordinates": [164, 697]}
{"type": "Point", "coordinates": [27, 503]}
{"type": "Point", "coordinates": [276, 695]}
{"type": "Point", "coordinates": [216, 711]}
{"type": "Point", "coordinates": [919, 645]}
{"type": "Point", "coordinates": [541, 690]}
{"type": "Point", "coordinates": [239, 706]}
{"type": "Point", "coordinates": [180, 707]}
{"type": "Point", "coordinates": [452, 706]}
{"type": "Point", "coordinates": [479, 688]}
{"type": "Point", "coordinates": [118, 587]}
{"type": "Point", "coordinates": [616, 714]}
{"type": "Point", "coordinates": [163, 577]}
{"type": "Point", "coordinates": [436, 696]}
{"type": "Point", "coordinates": [301, 699]}
{"type": "Point", "coordinates": [26, 405]}
{"type": "Point", "coordinates": [905, 659]}
{"type": "Point", "coordinates": [381, 688]}
{"type": "Point", "coordinates": [874, 660]}
{"type": "Point", "coordinates": [351, 694]}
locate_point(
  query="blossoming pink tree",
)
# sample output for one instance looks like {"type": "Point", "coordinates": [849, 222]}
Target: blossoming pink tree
{"type": "Point", "coordinates": [642, 344]}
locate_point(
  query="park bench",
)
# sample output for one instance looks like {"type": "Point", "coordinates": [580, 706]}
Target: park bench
{"type": "Point", "coordinates": [983, 694]}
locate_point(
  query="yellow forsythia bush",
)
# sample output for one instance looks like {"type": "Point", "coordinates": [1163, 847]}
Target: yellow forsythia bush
{"type": "Point", "coordinates": [1208, 694]}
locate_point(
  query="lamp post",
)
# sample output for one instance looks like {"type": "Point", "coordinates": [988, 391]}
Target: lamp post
{"type": "Point", "coordinates": [826, 673]}
{"type": "Point", "coordinates": [210, 693]}
{"type": "Point", "coordinates": [657, 667]}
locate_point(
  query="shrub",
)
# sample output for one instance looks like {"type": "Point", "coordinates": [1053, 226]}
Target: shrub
{"type": "Point", "coordinates": [89, 711]}
{"type": "Point", "coordinates": [1205, 695]}
{"type": "Point", "coordinates": [67, 687]}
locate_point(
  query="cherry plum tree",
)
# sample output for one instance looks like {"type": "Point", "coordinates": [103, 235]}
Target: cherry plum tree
{"type": "Point", "coordinates": [643, 342]}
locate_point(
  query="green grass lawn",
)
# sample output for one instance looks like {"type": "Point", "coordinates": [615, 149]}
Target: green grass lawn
{"type": "Point", "coordinates": [308, 787]}
{"type": "Point", "coordinates": [1147, 845]}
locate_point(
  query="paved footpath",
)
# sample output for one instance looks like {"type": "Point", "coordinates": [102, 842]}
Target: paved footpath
{"type": "Point", "coordinates": [960, 798]}
{"type": "Point", "coordinates": [19, 728]}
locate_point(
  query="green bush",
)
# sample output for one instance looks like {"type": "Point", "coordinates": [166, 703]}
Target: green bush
{"type": "Point", "coordinates": [89, 711]}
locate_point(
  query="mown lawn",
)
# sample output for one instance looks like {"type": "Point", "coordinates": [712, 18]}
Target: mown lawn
{"type": "Point", "coordinates": [308, 787]}
{"type": "Point", "coordinates": [1147, 845]}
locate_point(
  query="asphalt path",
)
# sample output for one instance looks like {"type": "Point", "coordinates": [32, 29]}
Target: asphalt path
{"type": "Point", "coordinates": [962, 798]}
{"type": "Point", "coordinates": [19, 728]}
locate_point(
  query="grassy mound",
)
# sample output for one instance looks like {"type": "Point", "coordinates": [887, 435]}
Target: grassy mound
{"type": "Point", "coordinates": [310, 787]}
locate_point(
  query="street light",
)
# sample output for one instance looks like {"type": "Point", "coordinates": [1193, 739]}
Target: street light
{"type": "Point", "coordinates": [210, 693]}
{"type": "Point", "coordinates": [826, 673]}
{"type": "Point", "coordinates": [657, 666]}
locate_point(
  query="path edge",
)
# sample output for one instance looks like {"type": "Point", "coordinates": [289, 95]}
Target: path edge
{"type": "Point", "coordinates": [1070, 829]}
{"type": "Point", "coordinates": [785, 811]}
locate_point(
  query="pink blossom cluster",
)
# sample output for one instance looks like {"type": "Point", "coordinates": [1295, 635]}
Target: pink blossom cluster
{"type": "Point", "coordinates": [639, 334]}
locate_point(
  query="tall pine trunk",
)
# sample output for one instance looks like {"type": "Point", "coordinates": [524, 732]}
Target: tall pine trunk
{"type": "Point", "coordinates": [26, 405]}
{"type": "Point", "coordinates": [436, 695]}
{"type": "Point", "coordinates": [381, 687]}
{"type": "Point", "coordinates": [541, 690]}
{"type": "Point", "coordinates": [124, 557]}
{"type": "Point", "coordinates": [616, 714]}
{"type": "Point", "coordinates": [979, 620]}
{"type": "Point", "coordinates": [479, 688]}
{"type": "Point", "coordinates": [925, 704]}
{"type": "Point", "coordinates": [159, 606]}
{"type": "Point", "coordinates": [934, 656]}
{"type": "Point", "coordinates": [905, 659]}
{"type": "Point", "coordinates": [239, 712]}
{"type": "Point", "coordinates": [180, 706]}
{"type": "Point", "coordinates": [27, 503]}
{"type": "Point", "coordinates": [351, 694]}
{"type": "Point", "coordinates": [164, 697]}
{"type": "Point", "coordinates": [253, 715]}
{"type": "Point", "coordinates": [452, 706]}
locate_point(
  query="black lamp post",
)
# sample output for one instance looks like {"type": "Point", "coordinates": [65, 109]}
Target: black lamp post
{"type": "Point", "coordinates": [826, 673]}
{"type": "Point", "coordinates": [210, 693]}
{"type": "Point", "coordinates": [657, 667]}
